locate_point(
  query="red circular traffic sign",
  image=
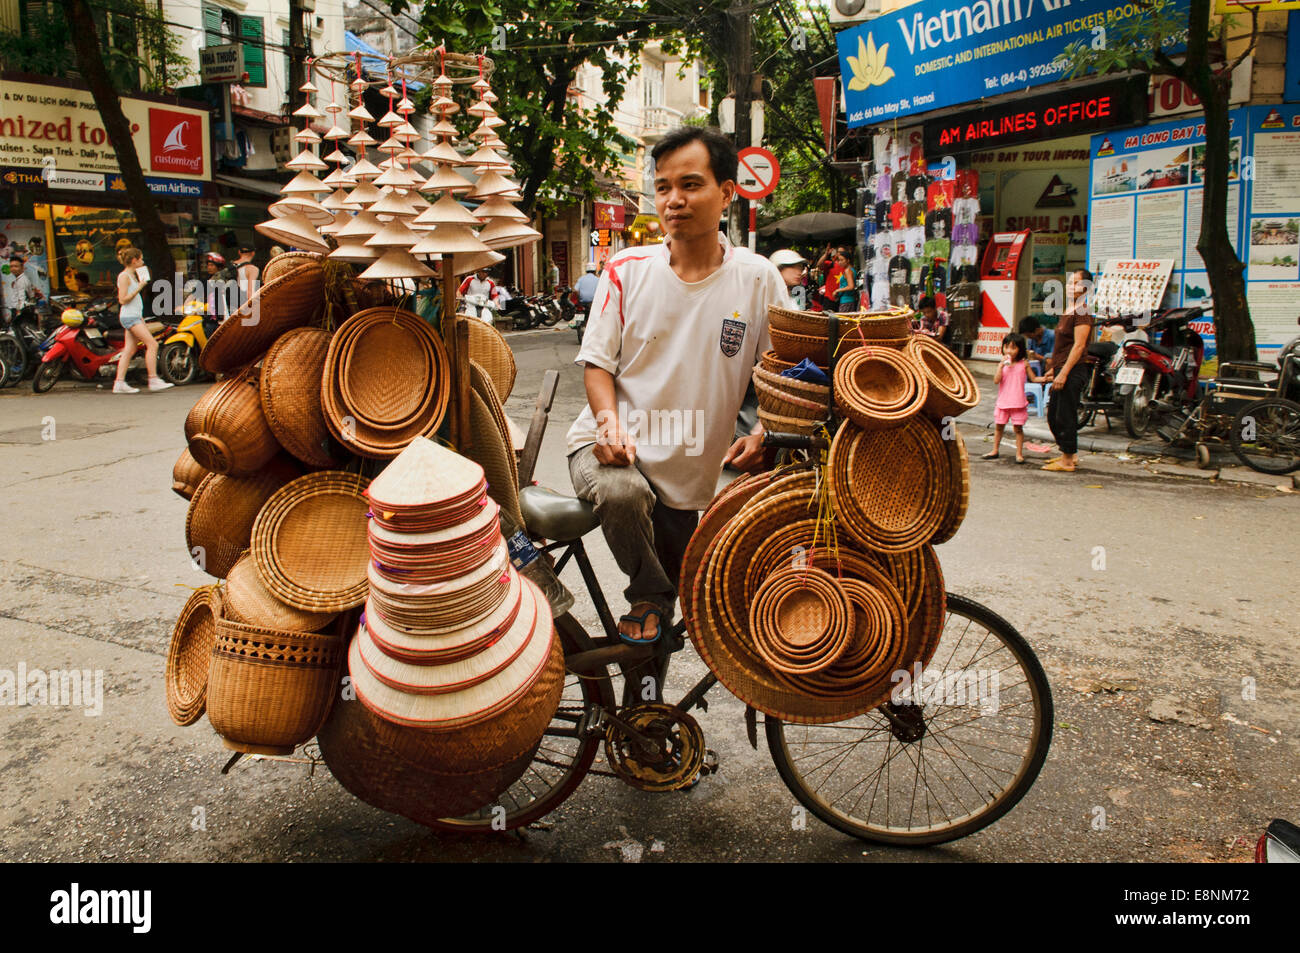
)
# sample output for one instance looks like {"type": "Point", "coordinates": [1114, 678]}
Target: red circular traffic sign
{"type": "Point", "coordinates": [758, 173]}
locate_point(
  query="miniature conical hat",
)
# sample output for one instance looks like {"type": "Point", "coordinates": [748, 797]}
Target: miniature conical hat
{"type": "Point", "coordinates": [337, 180]}
{"type": "Point", "coordinates": [464, 264]}
{"type": "Point", "coordinates": [495, 121]}
{"type": "Point", "coordinates": [391, 118]}
{"type": "Point", "coordinates": [304, 183]}
{"type": "Point", "coordinates": [406, 132]}
{"type": "Point", "coordinates": [492, 183]}
{"type": "Point", "coordinates": [444, 128]}
{"type": "Point", "coordinates": [353, 248]}
{"type": "Point", "coordinates": [309, 111]}
{"type": "Point", "coordinates": [364, 195]}
{"type": "Point", "coordinates": [306, 135]}
{"type": "Point", "coordinates": [334, 107]}
{"type": "Point", "coordinates": [446, 211]}
{"type": "Point", "coordinates": [443, 152]}
{"type": "Point", "coordinates": [337, 132]}
{"type": "Point", "coordinates": [336, 201]}
{"type": "Point", "coordinates": [295, 231]}
{"type": "Point", "coordinates": [401, 204]}
{"type": "Point", "coordinates": [487, 158]}
{"type": "Point", "coordinates": [502, 233]}
{"type": "Point", "coordinates": [449, 239]}
{"type": "Point", "coordinates": [397, 176]}
{"type": "Point", "coordinates": [397, 263]}
{"type": "Point", "coordinates": [361, 138]}
{"type": "Point", "coordinates": [363, 225]}
{"type": "Point", "coordinates": [497, 207]}
{"type": "Point", "coordinates": [405, 106]}
{"type": "Point", "coordinates": [363, 170]}
{"type": "Point", "coordinates": [308, 87]}
{"type": "Point", "coordinates": [316, 213]}
{"type": "Point", "coordinates": [446, 179]}
{"type": "Point", "coordinates": [361, 112]}
{"type": "Point", "coordinates": [394, 234]}
{"type": "Point", "coordinates": [442, 83]}
{"type": "Point", "coordinates": [425, 474]}
{"type": "Point", "coordinates": [444, 105]}
{"type": "Point", "coordinates": [305, 160]}
{"type": "Point", "coordinates": [481, 108]}
{"type": "Point", "coordinates": [332, 227]}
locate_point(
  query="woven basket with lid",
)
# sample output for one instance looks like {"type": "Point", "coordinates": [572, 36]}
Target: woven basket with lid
{"type": "Point", "coordinates": [290, 392]}
{"type": "Point", "coordinates": [227, 430]}
{"type": "Point", "coordinates": [187, 475]}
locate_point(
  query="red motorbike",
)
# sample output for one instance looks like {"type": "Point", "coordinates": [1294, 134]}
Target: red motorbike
{"type": "Point", "coordinates": [86, 342]}
{"type": "Point", "coordinates": [1159, 381]}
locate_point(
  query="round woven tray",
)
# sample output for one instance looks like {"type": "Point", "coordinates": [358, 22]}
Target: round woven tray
{"type": "Point", "coordinates": [290, 391]}
{"type": "Point", "coordinates": [290, 301]}
{"type": "Point", "coordinates": [270, 691]}
{"type": "Point", "coordinates": [187, 474]}
{"type": "Point", "coordinates": [489, 350]}
{"type": "Point", "coordinates": [248, 601]}
{"type": "Point", "coordinates": [386, 370]}
{"type": "Point", "coordinates": [878, 388]}
{"type": "Point", "coordinates": [189, 655]}
{"type": "Point", "coordinates": [890, 488]}
{"type": "Point", "coordinates": [426, 776]}
{"type": "Point", "coordinates": [227, 430]}
{"type": "Point", "coordinates": [952, 388]}
{"type": "Point", "coordinates": [309, 542]}
{"type": "Point", "coordinates": [800, 621]}
{"type": "Point", "coordinates": [219, 521]}
{"type": "Point", "coordinates": [960, 499]}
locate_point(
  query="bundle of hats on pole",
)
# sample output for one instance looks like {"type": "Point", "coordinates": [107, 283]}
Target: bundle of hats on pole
{"type": "Point", "coordinates": [333, 465]}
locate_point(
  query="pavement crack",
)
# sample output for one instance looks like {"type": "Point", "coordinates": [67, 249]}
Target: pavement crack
{"type": "Point", "coordinates": [93, 466]}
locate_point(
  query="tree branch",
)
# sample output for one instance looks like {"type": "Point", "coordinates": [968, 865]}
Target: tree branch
{"type": "Point", "coordinates": [1250, 47]}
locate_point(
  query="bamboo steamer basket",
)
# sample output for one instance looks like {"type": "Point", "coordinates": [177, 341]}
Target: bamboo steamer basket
{"type": "Point", "coordinates": [219, 522]}
{"type": "Point", "coordinates": [428, 776]}
{"type": "Point", "coordinates": [269, 690]}
{"type": "Point", "coordinates": [227, 431]}
{"type": "Point", "coordinates": [187, 474]}
{"type": "Point", "coordinates": [189, 656]}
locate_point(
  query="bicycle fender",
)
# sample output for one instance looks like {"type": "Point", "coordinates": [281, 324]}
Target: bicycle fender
{"type": "Point", "coordinates": [57, 352]}
{"type": "Point", "coordinates": [751, 726]}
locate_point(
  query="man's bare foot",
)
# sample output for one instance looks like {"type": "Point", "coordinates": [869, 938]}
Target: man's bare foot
{"type": "Point", "coordinates": [637, 628]}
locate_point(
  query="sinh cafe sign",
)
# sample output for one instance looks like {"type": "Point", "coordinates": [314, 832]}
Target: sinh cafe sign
{"type": "Point", "coordinates": [938, 53]}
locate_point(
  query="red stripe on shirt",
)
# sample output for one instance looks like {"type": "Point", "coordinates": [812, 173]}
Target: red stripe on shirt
{"type": "Point", "coordinates": [617, 282]}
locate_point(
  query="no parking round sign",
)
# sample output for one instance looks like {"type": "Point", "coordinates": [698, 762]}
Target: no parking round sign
{"type": "Point", "coordinates": [758, 173]}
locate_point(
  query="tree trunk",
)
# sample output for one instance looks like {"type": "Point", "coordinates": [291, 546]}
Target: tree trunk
{"type": "Point", "coordinates": [542, 155]}
{"type": "Point", "coordinates": [90, 63]}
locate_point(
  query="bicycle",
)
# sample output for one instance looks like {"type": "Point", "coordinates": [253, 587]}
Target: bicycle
{"type": "Point", "coordinates": [658, 746]}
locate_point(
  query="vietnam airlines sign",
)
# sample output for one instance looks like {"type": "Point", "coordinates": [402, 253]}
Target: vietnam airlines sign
{"type": "Point", "coordinates": [940, 53]}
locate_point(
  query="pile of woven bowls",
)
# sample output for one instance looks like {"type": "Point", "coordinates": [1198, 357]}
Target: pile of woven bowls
{"type": "Point", "coordinates": [807, 588]}
{"type": "Point", "coordinates": [278, 511]}
{"type": "Point", "coordinates": [455, 665]}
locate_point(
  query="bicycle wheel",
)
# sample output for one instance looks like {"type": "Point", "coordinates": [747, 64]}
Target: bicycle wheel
{"type": "Point", "coordinates": [561, 762]}
{"type": "Point", "coordinates": [941, 769]}
{"type": "Point", "coordinates": [1265, 435]}
{"type": "Point", "coordinates": [14, 359]}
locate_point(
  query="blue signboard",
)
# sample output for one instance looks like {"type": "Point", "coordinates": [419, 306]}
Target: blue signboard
{"type": "Point", "coordinates": [1291, 92]}
{"type": "Point", "coordinates": [941, 53]}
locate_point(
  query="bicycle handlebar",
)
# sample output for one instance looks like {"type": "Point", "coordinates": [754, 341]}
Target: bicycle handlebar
{"type": "Point", "coordinates": [794, 441]}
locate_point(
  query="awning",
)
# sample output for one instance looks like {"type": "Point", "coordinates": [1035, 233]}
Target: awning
{"type": "Point", "coordinates": [371, 59]}
{"type": "Point", "coordinates": [258, 186]}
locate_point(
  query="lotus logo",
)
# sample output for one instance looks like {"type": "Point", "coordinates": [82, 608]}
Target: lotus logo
{"type": "Point", "coordinates": [868, 66]}
{"type": "Point", "coordinates": [175, 141]}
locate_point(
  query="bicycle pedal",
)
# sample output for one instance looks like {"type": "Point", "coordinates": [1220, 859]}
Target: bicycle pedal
{"type": "Point", "coordinates": [711, 763]}
{"type": "Point", "coordinates": [592, 722]}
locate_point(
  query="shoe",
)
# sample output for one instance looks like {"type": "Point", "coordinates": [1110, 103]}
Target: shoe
{"type": "Point", "coordinates": [157, 383]}
{"type": "Point", "coordinates": [989, 456]}
{"type": "Point", "coordinates": [122, 387]}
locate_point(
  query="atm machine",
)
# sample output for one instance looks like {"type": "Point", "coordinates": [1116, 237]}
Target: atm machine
{"type": "Point", "coordinates": [1005, 284]}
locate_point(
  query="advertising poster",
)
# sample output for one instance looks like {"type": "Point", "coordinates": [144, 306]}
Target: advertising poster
{"type": "Point", "coordinates": [939, 53]}
{"type": "Point", "coordinates": [1047, 273]}
{"type": "Point", "coordinates": [1273, 225]}
{"type": "Point", "coordinates": [27, 238]}
{"type": "Point", "coordinates": [86, 242]}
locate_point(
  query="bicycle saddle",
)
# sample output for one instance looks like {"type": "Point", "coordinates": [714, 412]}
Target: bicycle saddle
{"type": "Point", "coordinates": [555, 516]}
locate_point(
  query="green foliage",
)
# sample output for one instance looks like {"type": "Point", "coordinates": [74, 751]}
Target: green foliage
{"type": "Point", "coordinates": [140, 51]}
{"type": "Point", "coordinates": [1135, 44]}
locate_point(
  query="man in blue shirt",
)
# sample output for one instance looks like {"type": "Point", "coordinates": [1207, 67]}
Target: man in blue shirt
{"type": "Point", "coordinates": [1041, 340]}
{"type": "Point", "coordinates": [586, 287]}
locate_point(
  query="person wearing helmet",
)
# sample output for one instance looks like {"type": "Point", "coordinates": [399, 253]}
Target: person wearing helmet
{"type": "Point", "coordinates": [794, 269]}
{"type": "Point", "coordinates": [214, 286]}
{"type": "Point", "coordinates": [586, 287]}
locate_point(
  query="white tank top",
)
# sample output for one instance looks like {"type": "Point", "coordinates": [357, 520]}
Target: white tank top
{"type": "Point", "coordinates": [133, 308]}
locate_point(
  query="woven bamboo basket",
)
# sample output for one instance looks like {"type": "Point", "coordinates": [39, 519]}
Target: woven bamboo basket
{"type": "Point", "coordinates": [292, 300]}
{"type": "Point", "coordinates": [796, 347]}
{"type": "Point", "coordinates": [952, 389]}
{"type": "Point", "coordinates": [800, 621]}
{"type": "Point", "coordinates": [290, 392]}
{"type": "Point", "coordinates": [871, 326]}
{"type": "Point", "coordinates": [187, 474]}
{"type": "Point", "coordinates": [779, 423]}
{"type": "Point", "coordinates": [284, 263]}
{"type": "Point", "coordinates": [773, 364]}
{"type": "Point", "coordinates": [806, 390]}
{"type": "Point", "coordinates": [783, 403]}
{"type": "Point", "coordinates": [428, 776]}
{"type": "Point", "coordinates": [270, 691]}
{"type": "Point", "coordinates": [227, 430]}
{"type": "Point", "coordinates": [878, 388]}
{"type": "Point", "coordinates": [309, 542]}
{"type": "Point", "coordinates": [387, 369]}
{"type": "Point", "coordinates": [248, 601]}
{"type": "Point", "coordinates": [960, 500]}
{"type": "Point", "coordinates": [189, 656]}
{"type": "Point", "coordinates": [219, 522]}
{"type": "Point", "coordinates": [489, 350]}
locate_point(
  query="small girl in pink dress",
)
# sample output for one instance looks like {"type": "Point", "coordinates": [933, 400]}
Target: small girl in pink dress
{"type": "Point", "coordinates": [1012, 407]}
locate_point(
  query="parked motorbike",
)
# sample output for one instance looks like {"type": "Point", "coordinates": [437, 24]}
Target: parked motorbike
{"type": "Point", "coordinates": [1164, 376]}
{"type": "Point", "coordinates": [178, 361]}
{"type": "Point", "coordinates": [1104, 360]}
{"type": "Point", "coordinates": [21, 338]}
{"type": "Point", "coordinates": [579, 320]}
{"type": "Point", "coordinates": [87, 342]}
{"type": "Point", "coordinates": [519, 312]}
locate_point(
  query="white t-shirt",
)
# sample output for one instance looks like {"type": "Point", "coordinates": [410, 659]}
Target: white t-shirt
{"type": "Point", "coordinates": [682, 356]}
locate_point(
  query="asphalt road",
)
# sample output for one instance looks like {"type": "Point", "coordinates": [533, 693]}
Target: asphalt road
{"type": "Point", "coordinates": [1196, 607]}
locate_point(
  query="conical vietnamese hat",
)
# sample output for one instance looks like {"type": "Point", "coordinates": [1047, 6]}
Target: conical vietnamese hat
{"type": "Point", "coordinates": [449, 239]}
{"type": "Point", "coordinates": [442, 84]}
{"type": "Point", "coordinates": [444, 105]}
{"type": "Point", "coordinates": [332, 227]}
{"type": "Point", "coordinates": [361, 112]}
{"type": "Point", "coordinates": [361, 138]}
{"type": "Point", "coordinates": [304, 183]}
{"type": "Point", "coordinates": [338, 156]}
{"type": "Point", "coordinates": [405, 106]}
{"type": "Point", "coordinates": [425, 474]}
{"type": "Point", "coordinates": [492, 183]}
{"type": "Point", "coordinates": [390, 119]}
{"type": "Point", "coordinates": [363, 169]}
{"type": "Point", "coordinates": [443, 152]}
{"type": "Point", "coordinates": [337, 179]}
{"type": "Point", "coordinates": [405, 132]}
{"type": "Point", "coordinates": [308, 87]}
{"type": "Point", "coordinates": [401, 204]}
{"type": "Point", "coordinates": [336, 201]}
{"type": "Point", "coordinates": [364, 195]}
{"type": "Point", "coordinates": [397, 176]}
{"type": "Point", "coordinates": [394, 234]}
{"type": "Point", "coordinates": [502, 233]}
{"type": "Point", "coordinates": [495, 121]}
{"type": "Point", "coordinates": [294, 230]}
{"type": "Point", "coordinates": [487, 158]}
{"type": "Point", "coordinates": [392, 145]}
{"type": "Point", "coordinates": [353, 248]}
{"type": "Point", "coordinates": [396, 263]}
{"type": "Point", "coordinates": [363, 225]}
{"type": "Point", "coordinates": [446, 211]}
{"type": "Point", "coordinates": [306, 160]}
{"type": "Point", "coordinates": [497, 207]}
{"type": "Point", "coordinates": [481, 108]}
{"type": "Point", "coordinates": [448, 642]}
{"type": "Point", "coordinates": [316, 213]}
{"type": "Point", "coordinates": [306, 135]}
{"type": "Point", "coordinates": [464, 264]}
{"type": "Point", "coordinates": [446, 179]}
{"type": "Point", "coordinates": [309, 111]}
{"type": "Point", "coordinates": [444, 127]}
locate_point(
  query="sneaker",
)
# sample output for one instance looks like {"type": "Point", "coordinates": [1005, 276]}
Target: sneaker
{"type": "Point", "coordinates": [122, 387]}
{"type": "Point", "coordinates": [157, 383]}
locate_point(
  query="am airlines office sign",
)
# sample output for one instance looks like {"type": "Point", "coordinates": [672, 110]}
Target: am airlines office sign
{"type": "Point", "coordinates": [940, 53]}
{"type": "Point", "coordinates": [57, 129]}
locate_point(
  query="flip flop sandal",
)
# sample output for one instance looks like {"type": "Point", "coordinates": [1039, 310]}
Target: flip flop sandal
{"type": "Point", "coordinates": [640, 619]}
{"type": "Point", "coordinates": [1057, 467]}
{"type": "Point", "coordinates": [989, 456]}
{"type": "Point", "coordinates": [1021, 461]}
